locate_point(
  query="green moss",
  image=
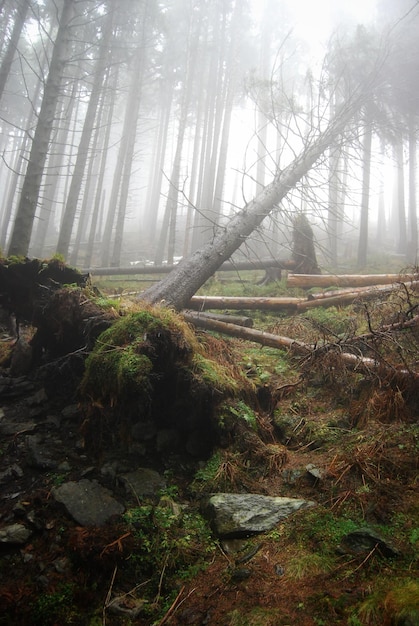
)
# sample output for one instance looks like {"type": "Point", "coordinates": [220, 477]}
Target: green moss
{"type": "Point", "coordinates": [208, 473]}
{"type": "Point", "coordinates": [214, 374]}
{"type": "Point", "coordinates": [331, 320]}
{"type": "Point", "coordinates": [125, 355]}
{"type": "Point", "coordinates": [168, 537]}
{"type": "Point", "coordinates": [241, 410]}
{"type": "Point", "coordinates": [308, 564]}
{"type": "Point", "coordinates": [321, 528]}
{"type": "Point", "coordinates": [223, 470]}
{"type": "Point", "coordinates": [56, 607]}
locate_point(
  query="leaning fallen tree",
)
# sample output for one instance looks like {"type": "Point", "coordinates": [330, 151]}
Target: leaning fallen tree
{"type": "Point", "coordinates": [183, 282]}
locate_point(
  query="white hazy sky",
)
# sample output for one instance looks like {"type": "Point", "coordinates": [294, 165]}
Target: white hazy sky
{"type": "Point", "coordinates": [316, 19]}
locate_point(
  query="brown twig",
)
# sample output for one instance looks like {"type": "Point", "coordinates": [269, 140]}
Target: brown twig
{"type": "Point", "coordinates": [108, 596]}
{"type": "Point", "coordinates": [174, 607]}
{"type": "Point", "coordinates": [116, 542]}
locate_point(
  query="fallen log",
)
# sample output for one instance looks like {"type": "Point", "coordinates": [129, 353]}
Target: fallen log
{"type": "Point", "coordinates": [347, 280]}
{"type": "Point", "coordinates": [258, 336]}
{"type": "Point", "coordinates": [141, 268]}
{"type": "Point", "coordinates": [348, 296]}
{"type": "Point", "coordinates": [239, 320]}
{"type": "Point", "coordinates": [354, 362]}
{"type": "Point", "coordinates": [232, 302]}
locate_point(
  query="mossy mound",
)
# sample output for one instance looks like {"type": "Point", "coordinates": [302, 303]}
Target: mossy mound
{"type": "Point", "coordinates": [154, 386]}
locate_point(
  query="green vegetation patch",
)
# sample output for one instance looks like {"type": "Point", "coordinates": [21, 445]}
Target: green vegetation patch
{"type": "Point", "coordinates": [392, 602]}
{"type": "Point", "coordinates": [169, 538]}
{"type": "Point", "coordinates": [126, 355]}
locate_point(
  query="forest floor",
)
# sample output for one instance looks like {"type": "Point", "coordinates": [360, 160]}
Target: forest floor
{"type": "Point", "coordinates": [350, 445]}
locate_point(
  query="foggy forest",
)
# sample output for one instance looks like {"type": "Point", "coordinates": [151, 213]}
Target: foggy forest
{"type": "Point", "coordinates": [134, 132]}
{"type": "Point", "coordinates": [208, 373]}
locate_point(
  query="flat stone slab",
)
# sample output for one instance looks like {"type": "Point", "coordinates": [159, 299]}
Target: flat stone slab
{"type": "Point", "coordinates": [143, 482]}
{"type": "Point", "coordinates": [88, 503]}
{"type": "Point", "coordinates": [241, 514]}
{"type": "Point", "coordinates": [14, 533]}
{"type": "Point", "coordinates": [364, 540]}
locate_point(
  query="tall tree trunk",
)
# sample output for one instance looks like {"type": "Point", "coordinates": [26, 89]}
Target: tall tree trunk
{"type": "Point", "coordinates": [20, 240]}
{"type": "Point", "coordinates": [412, 248]}
{"type": "Point", "coordinates": [91, 176]}
{"type": "Point", "coordinates": [333, 206]}
{"type": "Point", "coordinates": [156, 171]}
{"type": "Point", "coordinates": [203, 218]}
{"type": "Point", "coordinates": [126, 145]}
{"type": "Point", "coordinates": [99, 195]}
{"type": "Point", "coordinates": [6, 64]}
{"type": "Point", "coordinates": [18, 169]}
{"type": "Point", "coordinates": [180, 285]}
{"type": "Point", "coordinates": [399, 197]}
{"type": "Point", "coordinates": [53, 168]}
{"type": "Point", "coordinates": [86, 135]}
{"type": "Point", "coordinates": [381, 219]}
{"type": "Point", "coordinates": [230, 92]}
{"type": "Point", "coordinates": [265, 75]}
{"type": "Point", "coordinates": [170, 215]}
{"type": "Point", "coordinates": [365, 199]}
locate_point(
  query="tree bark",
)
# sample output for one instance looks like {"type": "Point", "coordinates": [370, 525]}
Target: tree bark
{"type": "Point", "coordinates": [21, 12]}
{"type": "Point", "coordinates": [399, 200]}
{"type": "Point", "coordinates": [366, 178]}
{"type": "Point", "coordinates": [412, 244]}
{"type": "Point", "coordinates": [20, 240]}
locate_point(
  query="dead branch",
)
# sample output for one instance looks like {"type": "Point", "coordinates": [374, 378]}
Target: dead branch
{"type": "Point", "coordinates": [355, 362]}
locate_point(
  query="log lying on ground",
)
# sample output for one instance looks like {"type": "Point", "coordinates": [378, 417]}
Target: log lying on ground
{"type": "Point", "coordinates": [348, 296]}
{"type": "Point", "coordinates": [354, 362]}
{"type": "Point", "coordinates": [250, 334]}
{"type": "Point", "coordinates": [323, 299]}
{"type": "Point", "coordinates": [139, 268]}
{"type": "Point", "coordinates": [244, 303]}
{"type": "Point", "coordinates": [347, 280]}
{"type": "Point", "coordinates": [239, 320]}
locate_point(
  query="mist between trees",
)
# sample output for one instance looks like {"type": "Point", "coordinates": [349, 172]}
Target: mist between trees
{"type": "Point", "coordinates": [145, 132]}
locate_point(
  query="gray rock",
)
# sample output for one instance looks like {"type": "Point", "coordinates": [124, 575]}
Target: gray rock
{"type": "Point", "coordinates": [314, 472]}
{"type": "Point", "coordinates": [143, 482]}
{"type": "Point", "coordinates": [21, 360]}
{"type": "Point", "coordinates": [64, 467]}
{"type": "Point", "coordinates": [291, 476]}
{"type": "Point", "coordinates": [13, 426]}
{"type": "Point", "coordinates": [167, 440]}
{"type": "Point", "coordinates": [143, 431]}
{"type": "Point", "coordinates": [88, 503]}
{"type": "Point", "coordinates": [13, 471]}
{"type": "Point", "coordinates": [39, 397]}
{"type": "Point", "coordinates": [38, 455]}
{"type": "Point", "coordinates": [70, 411]}
{"type": "Point", "coordinates": [363, 540]}
{"type": "Point", "coordinates": [239, 514]}
{"type": "Point", "coordinates": [14, 533]}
